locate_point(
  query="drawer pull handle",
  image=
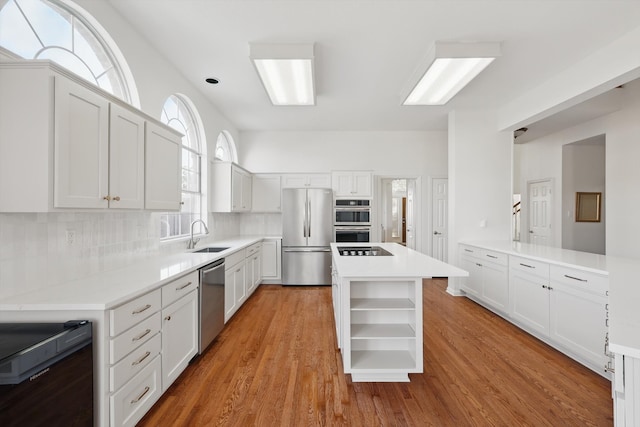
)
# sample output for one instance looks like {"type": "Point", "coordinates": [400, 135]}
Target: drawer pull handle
{"type": "Point", "coordinates": [137, 399]}
{"type": "Point", "coordinates": [468, 250]}
{"type": "Point", "coordinates": [140, 310]}
{"type": "Point", "coordinates": [527, 265]}
{"type": "Point", "coordinates": [179, 288]}
{"type": "Point", "coordinates": [575, 278]}
{"type": "Point", "coordinates": [606, 307]}
{"type": "Point", "coordinates": [479, 265]}
{"type": "Point", "coordinates": [142, 335]}
{"type": "Point", "coordinates": [139, 361]}
{"type": "Point", "coordinates": [491, 256]}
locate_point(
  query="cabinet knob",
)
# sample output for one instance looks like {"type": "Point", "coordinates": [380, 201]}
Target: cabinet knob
{"type": "Point", "coordinates": [167, 318]}
{"type": "Point", "coordinates": [107, 198]}
{"type": "Point", "coordinates": [117, 198]}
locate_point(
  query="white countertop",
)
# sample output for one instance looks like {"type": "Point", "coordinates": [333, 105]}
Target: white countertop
{"type": "Point", "coordinates": [624, 285]}
{"type": "Point", "coordinates": [593, 263]}
{"type": "Point", "coordinates": [112, 288]}
{"type": "Point", "coordinates": [405, 262]}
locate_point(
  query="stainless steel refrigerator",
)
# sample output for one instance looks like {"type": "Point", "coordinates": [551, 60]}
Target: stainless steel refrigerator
{"type": "Point", "coordinates": [307, 230]}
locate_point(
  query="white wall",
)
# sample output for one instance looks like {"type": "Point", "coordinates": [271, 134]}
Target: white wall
{"type": "Point", "coordinates": [543, 158]}
{"type": "Point", "coordinates": [387, 154]}
{"type": "Point", "coordinates": [479, 180]}
{"type": "Point", "coordinates": [583, 170]}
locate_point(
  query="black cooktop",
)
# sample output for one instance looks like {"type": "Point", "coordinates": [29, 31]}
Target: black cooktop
{"type": "Point", "coordinates": [363, 251]}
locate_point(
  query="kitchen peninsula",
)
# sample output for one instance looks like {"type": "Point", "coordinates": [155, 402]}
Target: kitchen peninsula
{"type": "Point", "coordinates": [377, 303]}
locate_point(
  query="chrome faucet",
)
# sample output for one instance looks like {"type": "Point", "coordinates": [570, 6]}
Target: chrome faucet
{"type": "Point", "coordinates": [192, 242]}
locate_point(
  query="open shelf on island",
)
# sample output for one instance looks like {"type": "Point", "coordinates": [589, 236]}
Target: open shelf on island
{"type": "Point", "coordinates": [382, 330]}
{"type": "Point", "coordinates": [383, 359]}
{"type": "Point", "coordinates": [382, 304]}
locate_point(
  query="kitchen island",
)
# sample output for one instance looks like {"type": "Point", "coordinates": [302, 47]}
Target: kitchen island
{"type": "Point", "coordinates": [377, 303]}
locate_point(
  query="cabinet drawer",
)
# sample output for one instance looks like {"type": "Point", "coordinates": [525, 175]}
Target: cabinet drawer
{"type": "Point", "coordinates": [578, 278]}
{"type": "Point", "coordinates": [496, 257]}
{"type": "Point", "coordinates": [470, 251]}
{"type": "Point", "coordinates": [252, 249]}
{"type": "Point", "coordinates": [180, 287]}
{"type": "Point", "coordinates": [234, 258]}
{"type": "Point", "coordinates": [537, 268]}
{"type": "Point", "coordinates": [129, 404]}
{"type": "Point", "coordinates": [128, 367]}
{"type": "Point", "coordinates": [128, 314]}
{"type": "Point", "coordinates": [124, 344]}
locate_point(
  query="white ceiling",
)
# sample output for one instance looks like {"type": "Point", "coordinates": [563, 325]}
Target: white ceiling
{"type": "Point", "coordinates": [366, 51]}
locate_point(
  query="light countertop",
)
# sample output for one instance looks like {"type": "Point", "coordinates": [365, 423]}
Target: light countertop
{"type": "Point", "coordinates": [109, 289]}
{"type": "Point", "coordinates": [624, 286]}
{"type": "Point", "coordinates": [405, 262]}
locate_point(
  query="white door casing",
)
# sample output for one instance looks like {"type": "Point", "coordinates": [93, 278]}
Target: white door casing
{"type": "Point", "coordinates": [540, 199]}
{"type": "Point", "coordinates": [439, 209]}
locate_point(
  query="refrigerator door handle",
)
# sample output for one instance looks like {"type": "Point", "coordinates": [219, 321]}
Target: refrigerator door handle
{"type": "Point", "coordinates": [305, 223]}
{"type": "Point", "coordinates": [309, 219]}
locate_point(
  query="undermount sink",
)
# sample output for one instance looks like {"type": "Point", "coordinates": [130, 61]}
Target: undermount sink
{"type": "Point", "coordinates": [212, 249]}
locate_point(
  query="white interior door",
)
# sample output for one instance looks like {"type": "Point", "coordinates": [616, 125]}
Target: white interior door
{"type": "Point", "coordinates": [540, 212]}
{"type": "Point", "coordinates": [439, 207]}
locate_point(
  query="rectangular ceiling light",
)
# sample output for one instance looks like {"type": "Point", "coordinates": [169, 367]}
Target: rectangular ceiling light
{"type": "Point", "coordinates": [286, 72]}
{"type": "Point", "coordinates": [449, 67]}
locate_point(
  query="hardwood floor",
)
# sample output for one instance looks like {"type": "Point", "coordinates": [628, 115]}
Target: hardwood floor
{"type": "Point", "coordinates": [276, 364]}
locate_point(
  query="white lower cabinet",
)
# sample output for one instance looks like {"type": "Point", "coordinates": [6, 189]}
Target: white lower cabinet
{"type": "Point", "coordinates": [253, 267]}
{"type": "Point", "coordinates": [234, 283]}
{"type": "Point", "coordinates": [529, 294]}
{"type": "Point", "coordinates": [179, 337]}
{"type": "Point", "coordinates": [271, 261]}
{"type": "Point", "coordinates": [488, 280]}
{"type": "Point", "coordinates": [626, 391]}
{"type": "Point", "coordinates": [130, 403]}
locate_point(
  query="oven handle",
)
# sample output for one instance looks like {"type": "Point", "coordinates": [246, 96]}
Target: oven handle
{"type": "Point", "coordinates": [354, 208]}
{"type": "Point", "coordinates": [342, 228]}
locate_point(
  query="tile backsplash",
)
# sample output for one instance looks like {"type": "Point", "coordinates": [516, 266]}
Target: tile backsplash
{"type": "Point", "coordinates": [57, 247]}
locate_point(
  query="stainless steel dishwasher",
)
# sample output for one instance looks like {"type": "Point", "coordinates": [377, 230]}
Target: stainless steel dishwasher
{"type": "Point", "coordinates": [211, 303]}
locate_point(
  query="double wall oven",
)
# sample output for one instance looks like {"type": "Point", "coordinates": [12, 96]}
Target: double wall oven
{"type": "Point", "coordinates": [352, 220]}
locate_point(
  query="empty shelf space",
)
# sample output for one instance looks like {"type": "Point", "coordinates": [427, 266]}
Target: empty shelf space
{"type": "Point", "coordinates": [382, 359]}
{"type": "Point", "coordinates": [382, 330]}
{"type": "Point", "coordinates": [382, 304]}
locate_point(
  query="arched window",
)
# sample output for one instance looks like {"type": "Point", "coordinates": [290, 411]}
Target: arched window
{"type": "Point", "coordinates": [180, 113]}
{"type": "Point", "coordinates": [225, 148]}
{"type": "Point", "coordinates": [62, 32]}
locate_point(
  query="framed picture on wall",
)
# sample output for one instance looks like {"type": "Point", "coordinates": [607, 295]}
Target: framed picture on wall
{"type": "Point", "coordinates": [588, 207]}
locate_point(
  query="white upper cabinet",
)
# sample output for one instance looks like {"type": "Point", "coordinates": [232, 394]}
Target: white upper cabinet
{"type": "Point", "coordinates": [231, 187]}
{"type": "Point", "coordinates": [81, 147]}
{"type": "Point", "coordinates": [126, 159]}
{"type": "Point", "coordinates": [352, 183]}
{"type": "Point", "coordinates": [306, 180]}
{"type": "Point", "coordinates": [266, 193]}
{"type": "Point", "coordinates": [66, 144]}
{"type": "Point", "coordinates": [163, 189]}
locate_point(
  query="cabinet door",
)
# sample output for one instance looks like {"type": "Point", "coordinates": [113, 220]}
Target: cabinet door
{"type": "Point", "coordinates": [229, 294]}
{"type": "Point", "coordinates": [271, 259]}
{"type": "Point", "coordinates": [342, 183]}
{"type": "Point", "coordinates": [246, 191]}
{"type": "Point", "coordinates": [266, 193]}
{"type": "Point", "coordinates": [473, 283]}
{"type": "Point", "coordinates": [163, 169]}
{"type": "Point", "coordinates": [362, 184]}
{"type": "Point", "coordinates": [495, 285]}
{"type": "Point", "coordinates": [319, 180]}
{"type": "Point", "coordinates": [236, 190]}
{"type": "Point", "coordinates": [126, 159]}
{"type": "Point", "coordinates": [578, 322]}
{"type": "Point", "coordinates": [243, 285]}
{"type": "Point", "coordinates": [179, 337]}
{"type": "Point", "coordinates": [529, 301]}
{"type": "Point", "coordinates": [81, 154]}
{"type": "Point", "coordinates": [294, 180]}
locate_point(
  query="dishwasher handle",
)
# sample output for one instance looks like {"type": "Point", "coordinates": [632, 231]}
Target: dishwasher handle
{"type": "Point", "coordinates": [216, 266]}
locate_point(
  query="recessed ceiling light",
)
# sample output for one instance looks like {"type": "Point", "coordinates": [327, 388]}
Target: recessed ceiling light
{"type": "Point", "coordinates": [211, 80]}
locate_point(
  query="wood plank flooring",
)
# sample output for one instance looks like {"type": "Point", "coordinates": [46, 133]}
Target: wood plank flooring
{"type": "Point", "coordinates": [276, 364]}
